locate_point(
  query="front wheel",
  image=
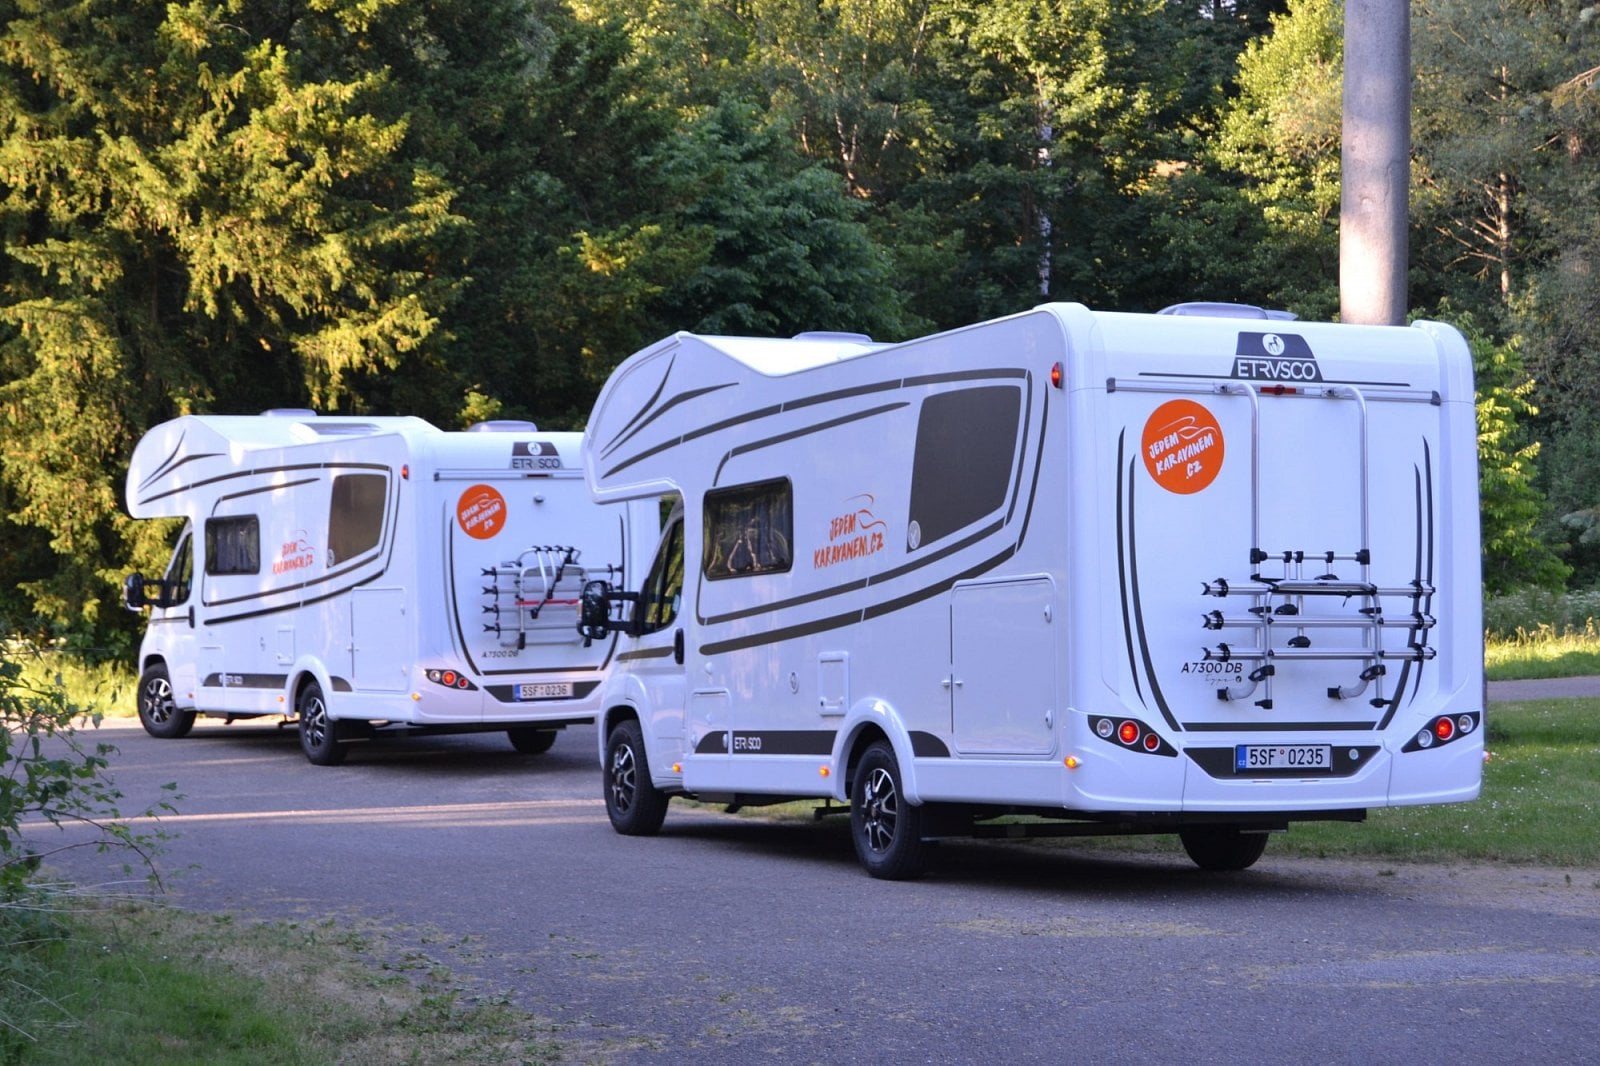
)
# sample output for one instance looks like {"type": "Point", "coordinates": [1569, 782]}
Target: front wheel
{"type": "Point", "coordinates": [635, 806]}
{"type": "Point", "coordinates": [1223, 848]}
{"type": "Point", "coordinates": [886, 829]}
{"type": "Point", "coordinates": [317, 737]}
{"type": "Point", "coordinates": [158, 713]}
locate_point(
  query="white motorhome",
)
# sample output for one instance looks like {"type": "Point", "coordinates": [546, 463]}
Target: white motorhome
{"type": "Point", "coordinates": [1115, 572]}
{"type": "Point", "coordinates": [353, 574]}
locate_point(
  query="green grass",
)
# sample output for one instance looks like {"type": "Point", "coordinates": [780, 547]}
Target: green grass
{"type": "Point", "coordinates": [105, 688]}
{"type": "Point", "coordinates": [1540, 802]}
{"type": "Point", "coordinates": [1543, 653]}
{"type": "Point", "coordinates": [140, 985]}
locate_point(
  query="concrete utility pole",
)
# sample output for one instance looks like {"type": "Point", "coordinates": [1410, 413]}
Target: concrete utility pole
{"type": "Point", "coordinates": [1375, 155]}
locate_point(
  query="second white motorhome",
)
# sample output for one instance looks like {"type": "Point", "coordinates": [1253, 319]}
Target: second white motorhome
{"type": "Point", "coordinates": [1112, 572]}
{"type": "Point", "coordinates": [356, 574]}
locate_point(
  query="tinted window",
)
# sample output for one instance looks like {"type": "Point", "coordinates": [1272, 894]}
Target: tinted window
{"type": "Point", "coordinates": [965, 444]}
{"type": "Point", "coordinates": [355, 515]}
{"type": "Point", "coordinates": [233, 545]}
{"type": "Point", "coordinates": [749, 530]}
{"type": "Point", "coordinates": [179, 572]}
{"type": "Point", "coordinates": [662, 591]}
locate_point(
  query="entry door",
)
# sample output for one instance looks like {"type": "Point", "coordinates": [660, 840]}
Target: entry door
{"type": "Point", "coordinates": [1003, 638]}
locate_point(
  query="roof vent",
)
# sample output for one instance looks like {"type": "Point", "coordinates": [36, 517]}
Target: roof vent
{"type": "Point", "coordinates": [830, 335]}
{"type": "Point", "coordinates": [1202, 309]}
{"type": "Point", "coordinates": [503, 425]}
{"type": "Point", "coordinates": [289, 412]}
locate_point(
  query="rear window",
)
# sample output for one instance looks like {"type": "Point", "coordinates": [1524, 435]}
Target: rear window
{"type": "Point", "coordinates": [966, 444]}
{"type": "Point", "coordinates": [355, 515]}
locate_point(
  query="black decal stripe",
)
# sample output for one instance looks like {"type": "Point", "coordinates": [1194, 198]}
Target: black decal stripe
{"type": "Point", "coordinates": [681, 398]}
{"type": "Point", "coordinates": [839, 621]}
{"type": "Point", "coordinates": [1138, 606]}
{"type": "Point", "coordinates": [1038, 465]}
{"type": "Point", "coordinates": [1427, 603]}
{"type": "Point", "coordinates": [260, 470]}
{"type": "Point", "coordinates": [384, 548]}
{"type": "Point", "coordinates": [1424, 572]}
{"type": "Point", "coordinates": [1411, 634]}
{"type": "Point", "coordinates": [1002, 373]}
{"type": "Point", "coordinates": [644, 653]}
{"type": "Point", "coordinates": [1122, 573]}
{"type": "Point", "coordinates": [918, 564]}
{"type": "Point", "coordinates": [783, 741]}
{"type": "Point", "coordinates": [673, 442]}
{"type": "Point", "coordinates": [217, 620]}
{"type": "Point", "coordinates": [169, 469]}
{"type": "Point", "coordinates": [263, 489]}
{"type": "Point", "coordinates": [167, 463]}
{"type": "Point", "coordinates": [283, 589]}
{"type": "Point", "coordinates": [965, 375]}
{"type": "Point", "coordinates": [252, 681]}
{"type": "Point", "coordinates": [1021, 457]}
{"type": "Point", "coordinates": [860, 583]}
{"type": "Point", "coordinates": [654, 396]}
{"type": "Point", "coordinates": [782, 438]}
{"type": "Point", "coordinates": [927, 746]}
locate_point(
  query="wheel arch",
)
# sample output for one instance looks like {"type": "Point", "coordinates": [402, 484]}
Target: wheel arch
{"type": "Point", "coordinates": [873, 720]}
{"type": "Point", "coordinates": [305, 671]}
{"type": "Point", "coordinates": [607, 719]}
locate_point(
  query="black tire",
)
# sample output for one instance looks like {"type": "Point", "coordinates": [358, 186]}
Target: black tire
{"type": "Point", "coordinates": [635, 806]}
{"type": "Point", "coordinates": [318, 737]}
{"type": "Point", "coordinates": [531, 741]}
{"type": "Point", "coordinates": [886, 829]}
{"type": "Point", "coordinates": [1223, 848]}
{"type": "Point", "coordinates": [157, 713]}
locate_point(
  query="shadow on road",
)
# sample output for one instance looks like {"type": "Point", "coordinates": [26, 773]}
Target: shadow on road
{"type": "Point", "coordinates": [1052, 866]}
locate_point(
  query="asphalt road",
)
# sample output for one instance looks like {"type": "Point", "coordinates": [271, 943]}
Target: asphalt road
{"type": "Point", "coordinates": [728, 940]}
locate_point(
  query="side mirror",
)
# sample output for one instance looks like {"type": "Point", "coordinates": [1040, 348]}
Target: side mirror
{"type": "Point", "coordinates": [594, 611]}
{"type": "Point", "coordinates": [133, 596]}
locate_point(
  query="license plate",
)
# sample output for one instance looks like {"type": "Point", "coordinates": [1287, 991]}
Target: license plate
{"type": "Point", "coordinates": [545, 690]}
{"type": "Point", "coordinates": [1309, 757]}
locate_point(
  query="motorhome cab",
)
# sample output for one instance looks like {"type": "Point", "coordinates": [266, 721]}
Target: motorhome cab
{"type": "Point", "coordinates": [1114, 572]}
{"type": "Point", "coordinates": [353, 574]}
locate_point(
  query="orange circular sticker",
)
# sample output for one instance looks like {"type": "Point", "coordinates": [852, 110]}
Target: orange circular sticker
{"type": "Point", "coordinates": [1182, 446]}
{"type": "Point", "coordinates": [481, 511]}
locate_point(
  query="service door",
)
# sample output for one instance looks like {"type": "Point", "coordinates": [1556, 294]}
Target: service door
{"type": "Point", "coordinates": [378, 640]}
{"type": "Point", "coordinates": [1003, 640]}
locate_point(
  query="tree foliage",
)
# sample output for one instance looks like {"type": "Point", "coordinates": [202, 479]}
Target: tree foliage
{"type": "Point", "coordinates": [476, 208]}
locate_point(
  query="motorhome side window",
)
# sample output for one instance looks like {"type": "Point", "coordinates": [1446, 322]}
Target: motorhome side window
{"type": "Point", "coordinates": [662, 590]}
{"type": "Point", "coordinates": [966, 442]}
{"type": "Point", "coordinates": [233, 545]}
{"type": "Point", "coordinates": [355, 515]}
{"type": "Point", "coordinates": [749, 530]}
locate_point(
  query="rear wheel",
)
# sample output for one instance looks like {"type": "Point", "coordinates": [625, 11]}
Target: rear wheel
{"type": "Point", "coordinates": [1223, 847]}
{"type": "Point", "coordinates": [531, 741]}
{"type": "Point", "coordinates": [886, 829]}
{"type": "Point", "coordinates": [317, 737]}
{"type": "Point", "coordinates": [158, 714]}
{"type": "Point", "coordinates": [635, 806]}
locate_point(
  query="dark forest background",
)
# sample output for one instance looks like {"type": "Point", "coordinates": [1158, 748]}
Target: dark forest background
{"type": "Point", "coordinates": [464, 209]}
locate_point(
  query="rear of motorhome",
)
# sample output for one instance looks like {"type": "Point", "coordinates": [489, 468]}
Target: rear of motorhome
{"type": "Point", "coordinates": [1113, 573]}
{"type": "Point", "coordinates": [356, 575]}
